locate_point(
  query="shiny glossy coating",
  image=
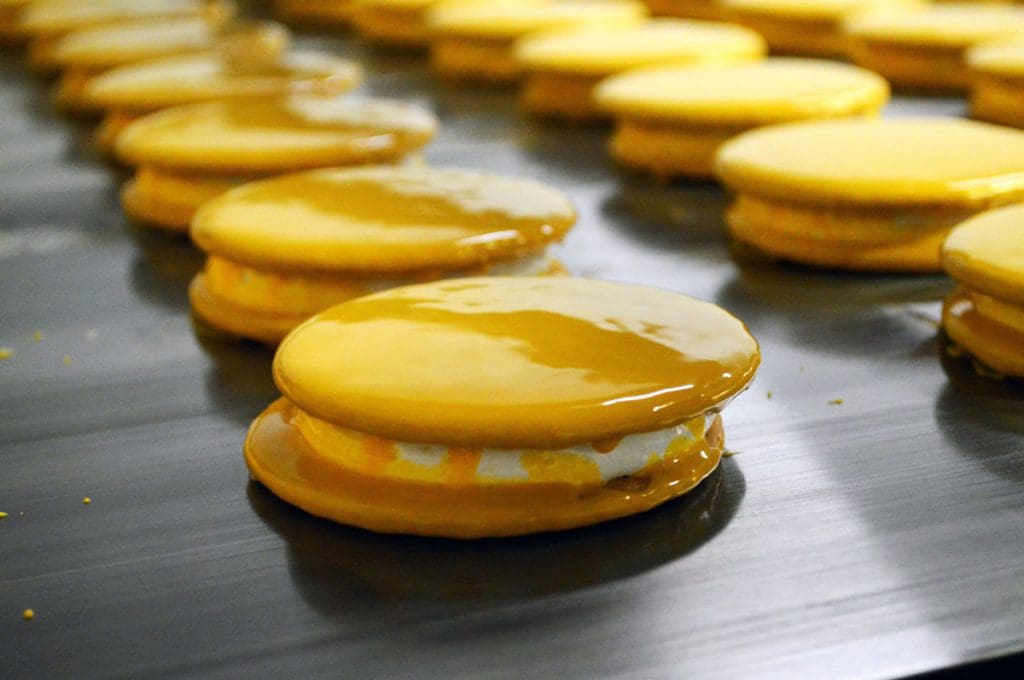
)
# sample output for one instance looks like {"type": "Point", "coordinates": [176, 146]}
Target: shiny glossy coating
{"type": "Point", "coordinates": [51, 18]}
{"type": "Point", "coordinates": [290, 133]}
{"type": "Point", "coordinates": [943, 161]}
{"type": "Point", "coordinates": [509, 20]}
{"type": "Point", "coordinates": [1001, 58]}
{"type": "Point", "coordinates": [124, 42]}
{"type": "Point", "coordinates": [949, 25]}
{"type": "Point", "coordinates": [382, 219]}
{"type": "Point", "coordinates": [987, 253]}
{"type": "Point", "coordinates": [172, 81]}
{"type": "Point", "coordinates": [609, 50]}
{"type": "Point", "coordinates": [515, 362]}
{"type": "Point", "coordinates": [773, 90]}
{"type": "Point", "coordinates": [817, 10]}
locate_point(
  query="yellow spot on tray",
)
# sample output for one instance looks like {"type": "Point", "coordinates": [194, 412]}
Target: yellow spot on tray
{"type": "Point", "coordinates": [86, 500]}
{"type": "Point", "coordinates": [6, 353]}
{"type": "Point", "coordinates": [37, 336]}
{"type": "Point", "coordinates": [835, 402]}
{"type": "Point", "coordinates": [3, 514]}
{"type": "Point", "coordinates": [769, 394]}
{"type": "Point", "coordinates": [67, 359]}
{"type": "Point", "coordinates": [28, 614]}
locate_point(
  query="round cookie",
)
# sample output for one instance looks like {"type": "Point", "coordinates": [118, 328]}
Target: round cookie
{"type": "Point", "coordinates": [354, 231]}
{"type": "Point", "coordinates": [997, 82]}
{"type": "Point", "coordinates": [499, 406]}
{"type": "Point", "coordinates": [874, 194]}
{"type": "Point", "coordinates": [806, 27]}
{"type": "Point", "coordinates": [670, 121]}
{"type": "Point", "coordinates": [189, 154]}
{"type": "Point", "coordinates": [475, 41]}
{"type": "Point", "coordinates": [985, 315]}
{"type": "Point", "coordinates": [563, 67]}
{"type": "Point", "coordinates": [129, 92]}
{"type": "Point", "coordinates": [399, 24]}
{"type": "Point", "coordinates": [924, 49]}
{"type": "Point", "coordinates": [45, 22]}
{"type": "Point", "coordinates": [84, 54]}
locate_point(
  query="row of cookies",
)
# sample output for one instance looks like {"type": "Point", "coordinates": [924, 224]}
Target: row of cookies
{"type": "Point", "coordinates": [608, 405]}
{"type": "Point", "coordinates": [878, 196]}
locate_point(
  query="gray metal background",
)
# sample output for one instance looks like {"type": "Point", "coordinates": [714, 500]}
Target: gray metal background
{"type": "Point", "coordinates": [878, 537]}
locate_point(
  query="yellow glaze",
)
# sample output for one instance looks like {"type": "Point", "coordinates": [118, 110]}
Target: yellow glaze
{"type": "Point", "coordinates": [87, 53]}
{"type": "Point", "coordinates": [509, 20]}
{"type": "Point", "coordinates": [48, 19]}
{"type": "Point", "coordinates": [689, 9]}
{"type": "Point", "coordinates": [603, 51]}
{"type": "Point", "coordinates": [168, 200]}
{"type": "Point", "coordinates": [986, 254]}
{"type": "Point", "coordinates": [109, 45]}
{"type": "Point", "coordinates": [926, 48]}
{"type": "Point", "coordinates": [358, 481]}
{"type": "Point", "coordinates": [383, 219]}
{"type": "Point", "coordinates": [276, 135]}
{"type": "Point", "coordinates": [475, 41]}
{"type": "Point", "coordinates": [807, 27]}
{"type": "Point", "coordinates": [563, 67]}
{"type": "Point", "coordinates": [232, 73]}
{"type": "Point", "coordinates": [947, 25]}
{"type": "Point", "coordinates": [991, 340]}
{"type": "Point", "coordinates": [318, 12]}
{"type": "Point", "coordinates": [769, 91]}
{"type": "Point", "coordinates": [541, 361]}
{"type": "Point", "coordinates": [844, 236]}
{"type": "Point", "coordinates": [953, 163]}
{"type": "Point", "coordinates": [999, 59]}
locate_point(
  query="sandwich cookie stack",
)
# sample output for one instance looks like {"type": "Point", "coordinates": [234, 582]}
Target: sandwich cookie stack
{"type": "Point", "coordinates": [499, 406]}
{"type": "Point", "coordinates": [562, 67]}
{"type": "Point", "coordinates": [84, 54]}
{"type": "Point", "coordinates": [997, 82]}
{"type": "Point", "coordinates": [476, 41]}
{"type": "Point", "coordinates": [189, 154]}
{"type": "Point", "coordinates": [807, 27]}
{"type": "Point", "coordinates": [985, 315]}
{"type": "Point", "coordinates": [355, 231]}
{"type": "Point", "coordinates": [671, 120]}
{"type": "Point", "coordinates": [46, 21]}
{"type": "Point", "coordinates": [924, 49]}
{"type": "Point", "coordinates": [243, 70]}
{"type": "Point", "coordinates": [867, 195]}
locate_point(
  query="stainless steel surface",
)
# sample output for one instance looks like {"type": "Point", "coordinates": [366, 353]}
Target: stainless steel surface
{"type": "Point", "coordinates": [877, 537]}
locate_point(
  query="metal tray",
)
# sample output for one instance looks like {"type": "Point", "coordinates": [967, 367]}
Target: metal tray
{"type": "Point", "coordinates": [879, 536]}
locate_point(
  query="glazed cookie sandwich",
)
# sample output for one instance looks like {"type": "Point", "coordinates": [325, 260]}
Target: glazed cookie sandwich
{"type": "Point", "coordinates": [475, 41]}
{"type": "Point", "coordinates": [189, 154]}
{"type": "Point", "coordinates": [45, 21]}
{"type": "Point", "coordinates": [670, 121]}
{"type": "Point", "coordinates": [924, 49]}
{"type": "Point", "coordinates": [243, 70]}
{"type": "Point", "coordinates": [283, 249]}
{"type": "Point", "coordinates": [807, 27]}
{"type": "Point", "coordinates": [996, 73]}
{"type": "Point", "coordinates": [499, 406]}
{"type": "Point", "coordinates": [84, 54]}
{"type": "Point", "coordinates": [870, 195]}
{"type": "Point", "coordinates": [985, 315]}
{"type": "Point", "coordinates": [563, 67]}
